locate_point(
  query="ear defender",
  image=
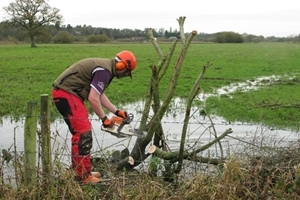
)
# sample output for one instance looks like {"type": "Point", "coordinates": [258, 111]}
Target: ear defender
{"type": "Point", "coordinates": [120, 65]}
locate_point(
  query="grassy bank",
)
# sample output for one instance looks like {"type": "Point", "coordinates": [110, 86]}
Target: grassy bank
{"type": "Point", "coordinates": [26, 73]}
{"type": "Point", "coordinates": [271, 175]}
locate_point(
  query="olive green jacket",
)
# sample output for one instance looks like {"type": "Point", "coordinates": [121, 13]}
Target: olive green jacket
{"type": "Point", "coordinates": [77, 78]}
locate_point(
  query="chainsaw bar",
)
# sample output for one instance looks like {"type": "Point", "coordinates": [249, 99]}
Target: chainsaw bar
{"type": "Point", "coordinates": [124, 129]}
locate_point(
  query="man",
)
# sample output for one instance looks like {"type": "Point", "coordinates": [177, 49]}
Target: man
{"type": "Point", "coordinates": [87, 80]}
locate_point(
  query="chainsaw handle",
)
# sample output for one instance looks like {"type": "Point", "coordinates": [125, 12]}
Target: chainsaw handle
{"type": "Point", "coordinates": [128, 120]}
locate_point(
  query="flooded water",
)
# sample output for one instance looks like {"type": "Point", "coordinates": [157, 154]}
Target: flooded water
{"type": "Point", "coordinates": [200, 130]}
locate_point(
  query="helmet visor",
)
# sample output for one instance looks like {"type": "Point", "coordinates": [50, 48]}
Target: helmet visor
{"type": "Point", "coordinates": [123, 73]}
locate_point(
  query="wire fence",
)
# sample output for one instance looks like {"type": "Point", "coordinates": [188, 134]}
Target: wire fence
{"type": "Point", "coordinates": [200, 129]}
{"type": "Point", "coordinates": [200, 132]}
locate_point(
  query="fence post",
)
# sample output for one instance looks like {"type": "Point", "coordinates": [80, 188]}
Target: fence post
{"type": "Point", "coordinates": [45, 135]}
{"type": "Point", "coordinates": [30, 144]}
{"type": "Point", "coordinates": [1, 171]}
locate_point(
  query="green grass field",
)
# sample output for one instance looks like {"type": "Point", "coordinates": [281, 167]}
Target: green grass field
{"type": "Point", "coordinates": [26, 73]}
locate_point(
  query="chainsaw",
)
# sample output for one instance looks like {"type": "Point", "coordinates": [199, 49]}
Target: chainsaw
{"type": "Point", "coordinates": [122, 127]}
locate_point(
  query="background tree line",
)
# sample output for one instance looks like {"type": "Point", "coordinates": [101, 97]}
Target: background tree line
{"type": "Point", "coordinates": [36, 21]}
{"type": "Point", "coordinates": [68, 34]}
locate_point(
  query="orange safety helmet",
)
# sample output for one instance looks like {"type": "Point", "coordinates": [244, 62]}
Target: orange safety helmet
{"type": "Point", "coordinates": [128, 58]}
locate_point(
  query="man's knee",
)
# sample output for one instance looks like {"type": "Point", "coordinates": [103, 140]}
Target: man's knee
{"type": "Point", "coordinates": [85, 143]}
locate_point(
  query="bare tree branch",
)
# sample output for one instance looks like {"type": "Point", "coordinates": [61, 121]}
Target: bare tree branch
{"type": "Point", "coordinates": [194, 91]}
{"type": "Point", "coordinates": [173, 156]}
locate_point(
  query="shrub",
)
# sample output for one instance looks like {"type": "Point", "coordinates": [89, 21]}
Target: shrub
{"type": "Point", "coordinates": [102, 38]}
{"type": "Point", "coordinates": [93, 39]}
{"type": "Point", "coordinates": [44, 38]}
{"type": "Point", "coordinates": [255, 40]}
{"type": "Point", "coordinates": [63, 37]}
{"type": "Point", "coordinates": [228, 37]}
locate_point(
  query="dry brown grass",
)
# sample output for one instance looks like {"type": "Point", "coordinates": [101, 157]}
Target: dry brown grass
{"type": "Point", "coordinates": [272, 173]}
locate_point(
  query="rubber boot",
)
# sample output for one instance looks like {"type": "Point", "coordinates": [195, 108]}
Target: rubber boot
{"type": "Point", "coordinates": [90, 180]}
{"type": "Point", "coordinates": [96, 174]}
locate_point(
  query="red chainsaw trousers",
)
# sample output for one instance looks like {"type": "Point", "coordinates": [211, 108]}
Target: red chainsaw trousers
{"type": "Point", "coordinates": [75, 115]}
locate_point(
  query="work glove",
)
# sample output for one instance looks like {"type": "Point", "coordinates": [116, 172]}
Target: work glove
{"type": "Point", "coordinates": [121, 113]}
{"type": "Point", "coordinates": [107, 123]}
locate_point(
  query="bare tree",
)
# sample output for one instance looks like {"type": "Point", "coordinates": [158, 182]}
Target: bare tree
{"type": "Point", "coordinates": [32, 15]}
{"type": "Point", "coordinates": [153, 127]}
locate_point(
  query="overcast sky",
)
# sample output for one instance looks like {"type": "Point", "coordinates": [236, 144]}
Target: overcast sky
{"type": "Point", "coordinates": [258, 17]}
